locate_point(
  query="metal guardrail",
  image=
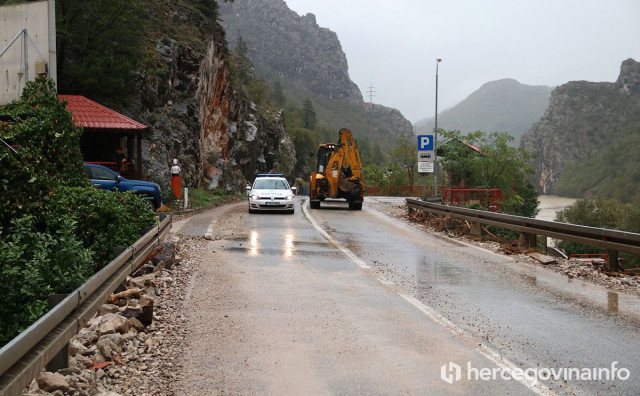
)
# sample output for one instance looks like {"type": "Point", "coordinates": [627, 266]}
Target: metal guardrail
{"type": "Point", "coordinates": [612, 240]}
{"type": "Point", "coordinates": [23, 357]}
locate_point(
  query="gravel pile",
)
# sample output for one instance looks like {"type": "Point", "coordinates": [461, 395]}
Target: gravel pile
{"type": "Point", "coordinates": [134, 345]}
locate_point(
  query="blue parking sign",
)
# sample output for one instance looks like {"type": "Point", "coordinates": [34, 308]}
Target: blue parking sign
{"type": "Point", "coordinates": [425, 142]}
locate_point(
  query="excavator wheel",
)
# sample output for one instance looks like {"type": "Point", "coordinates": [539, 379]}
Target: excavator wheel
{"type": "Point", "coordinates": [355, 205]}
{"type": "Point", "coordinates": [315, 204]}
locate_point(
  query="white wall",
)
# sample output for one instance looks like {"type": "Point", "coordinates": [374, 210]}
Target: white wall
{"type": "Point", "coordinates": [39, 20]}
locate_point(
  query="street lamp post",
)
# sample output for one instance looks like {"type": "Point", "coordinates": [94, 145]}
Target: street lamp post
{"type": "Point", "coordinates": [435, 138]}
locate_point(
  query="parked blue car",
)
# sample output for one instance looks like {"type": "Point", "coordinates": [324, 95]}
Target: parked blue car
{"type": "Point", "coordinates": [106, 179]}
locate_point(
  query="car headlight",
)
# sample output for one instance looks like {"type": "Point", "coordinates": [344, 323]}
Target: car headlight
{"type": "Point", "coordinates": [290, 197]}
{"type": "Point", "coordinates": [254, 197]}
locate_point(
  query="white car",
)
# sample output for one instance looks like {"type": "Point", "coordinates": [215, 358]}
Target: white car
{"type": "Point", "coordinates": [271, 192]}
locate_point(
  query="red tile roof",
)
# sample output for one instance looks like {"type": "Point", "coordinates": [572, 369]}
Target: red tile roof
{"type": "Point", "coordinates": [89, 114]}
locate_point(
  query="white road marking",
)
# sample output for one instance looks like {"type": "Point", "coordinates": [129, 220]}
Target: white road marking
{"type": "Point", "coordinates": [490, 354]}
{"type": "Point", "coordinates": [329, 238]}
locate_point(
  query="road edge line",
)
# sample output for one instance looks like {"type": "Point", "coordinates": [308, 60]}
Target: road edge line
{"type": "Point", "coordinates": [332, 241]}
{"type": "Point", "coordinates": [488, 353]}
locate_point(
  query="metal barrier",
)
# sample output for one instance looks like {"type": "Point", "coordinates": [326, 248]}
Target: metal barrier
{"type": "Point", "coordinates": [611, 240]}
{"type": "Point", "coordinates": [23, 357]}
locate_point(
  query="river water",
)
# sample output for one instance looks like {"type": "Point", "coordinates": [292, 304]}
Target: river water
{"type": "Point", "coordinates": [551, 204]}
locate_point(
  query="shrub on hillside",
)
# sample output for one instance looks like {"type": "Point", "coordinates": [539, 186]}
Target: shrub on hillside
{"type": "Point", "coordinates": [106, 219]}
{"type": "Point", "coordinates": [601, 213]}
{"type": "Point", "coordinates": [34, 264]}
{"type": "Point", "coordinates": [44, 153]}
{"type": "Point", "coordinates": [56, 229]}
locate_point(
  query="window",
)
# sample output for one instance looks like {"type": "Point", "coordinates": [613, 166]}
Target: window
{"type": "Point", "coordinates": [271, 184]}
{"type": "Point", "coordinates": [103, 174]}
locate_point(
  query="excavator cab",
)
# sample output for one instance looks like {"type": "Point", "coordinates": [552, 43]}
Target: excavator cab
{"type": "Point", "coordinates": [324, 154]}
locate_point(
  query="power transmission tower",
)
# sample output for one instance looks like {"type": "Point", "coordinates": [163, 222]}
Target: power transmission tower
{"type": "Point", "coordinates": [371, 94]}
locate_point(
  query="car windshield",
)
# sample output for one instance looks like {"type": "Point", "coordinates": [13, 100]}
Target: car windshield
{"type": "Point", "coordinates": [271, 184]}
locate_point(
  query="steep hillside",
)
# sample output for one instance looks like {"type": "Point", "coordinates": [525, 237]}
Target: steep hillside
{"type": "Point", "coordinates": [308, 61]}
{"type": "Point", "coordinates": [588, 139]}
{"type": "Point", "coordinates": [498, 106]}
{"type": "Point", "coordinates": [195, 110]}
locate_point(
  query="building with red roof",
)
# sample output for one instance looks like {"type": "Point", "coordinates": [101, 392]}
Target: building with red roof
{"type": "Point", "coordinates": [104, 131]}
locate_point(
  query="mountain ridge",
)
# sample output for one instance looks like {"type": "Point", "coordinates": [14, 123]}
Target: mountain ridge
{"type": "Point", "coordinates": [504, 105]}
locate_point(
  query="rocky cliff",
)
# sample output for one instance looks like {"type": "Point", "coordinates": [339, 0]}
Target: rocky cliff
{"type": "Point", "coordinates": [292, 47]}
{"type": "Point", "coordinates": [583, 120]}
{"type": "Point", "coordinates": [309, 62]}
{"type": "Point", "coordinates": [197, 115]}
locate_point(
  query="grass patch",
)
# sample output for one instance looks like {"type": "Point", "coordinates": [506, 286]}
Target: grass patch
{"type": "Point", "coordinates": [199, 198]}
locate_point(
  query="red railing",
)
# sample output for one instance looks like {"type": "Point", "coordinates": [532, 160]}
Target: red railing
{"type": "Point", "coordinates": [488, 198]}
{"type": "Point", "coordinates": [403, 190]}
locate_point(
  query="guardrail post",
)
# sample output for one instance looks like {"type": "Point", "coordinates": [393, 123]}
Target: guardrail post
{"type": "Point", "coordinates": [527, 241]}
{"type": "Point", "coordinates": [612, 261]}
{"type": "Point", "coordinates": [61, 359]}
{"type": "Point", "coordinates": [476, 229]}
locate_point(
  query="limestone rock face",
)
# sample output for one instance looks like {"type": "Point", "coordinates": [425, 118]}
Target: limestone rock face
{"type": "Point", "coordinates": [583, 118]}
{"type": "Point", "coordinates": [196, 116]}
{"type": "Point", "coordinates": [294, 47]}
{"type": "Point", "coordinates": [629, 78]}
{"type": "Point", "coordinates": [309, 62]}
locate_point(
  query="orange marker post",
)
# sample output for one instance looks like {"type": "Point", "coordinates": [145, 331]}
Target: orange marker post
{"type": "Point", "coordinates": [176, 180]}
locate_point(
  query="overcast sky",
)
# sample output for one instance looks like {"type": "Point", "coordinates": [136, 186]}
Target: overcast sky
{"type": "Point", "coordinates": [393, 44]}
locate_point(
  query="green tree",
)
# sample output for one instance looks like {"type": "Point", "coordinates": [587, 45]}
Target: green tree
{"type": "Point", "coordinates": [364, 146]}
{"type": "Point", "coordinates": [377, 157]}
{"type": "Point", "coordinates": [55, 227]}
{"type": "Point", "coordinates": [309, 119]}
{"type": "Point", "coordinates": [405, 155]}
{"type": "Point", "coordinates": [100, 44]}
{"type": "Point", "coordinates": [278, 95]}
{"type": "Point", "coordinates": [460, 159]}
{"type": "Point", "coordinates": [241, 47]}
{"type": "Point", "coordinates": [305, 147]}
{"type": "Point", "coordinates": [601, 213]}
{"type": "Point", "coordinates": [45, 151]}
{"type": "Point", "coordinates": [480, 160]}
{"type": "Point", "coordinates": [374, 175]}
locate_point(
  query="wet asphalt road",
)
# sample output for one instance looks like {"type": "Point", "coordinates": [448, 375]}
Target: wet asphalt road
{"type": "Point", "coordinates": [381, 306]}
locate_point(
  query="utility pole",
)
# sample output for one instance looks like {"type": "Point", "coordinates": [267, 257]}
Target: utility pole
{"type": "Point", "coordinates": [435, 138]}
{"type": "Point", "coordinates": [371, 94]}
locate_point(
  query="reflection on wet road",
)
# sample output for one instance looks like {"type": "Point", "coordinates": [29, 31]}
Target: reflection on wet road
{"type": "Point", "coordinates": [348, 324]}
{"type": "Point", "coordinates": [532, 316]}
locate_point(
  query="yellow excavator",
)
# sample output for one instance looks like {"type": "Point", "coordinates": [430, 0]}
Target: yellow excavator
{"type": "Point", "coordinates": [339, 173]}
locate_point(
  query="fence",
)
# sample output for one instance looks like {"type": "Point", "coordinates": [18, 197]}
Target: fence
{"type": "Point", "coordinates": [530, 228]}
{"type": "Point", "coordinates": [487, 198]}
{"type": "Point", "coordinates": [23, 357]}
{"type": "Point", "coordinates": [404, 190]}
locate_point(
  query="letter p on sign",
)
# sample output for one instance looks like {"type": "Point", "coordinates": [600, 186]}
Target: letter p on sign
{"type": "Point", "coordinates": [425, 142]}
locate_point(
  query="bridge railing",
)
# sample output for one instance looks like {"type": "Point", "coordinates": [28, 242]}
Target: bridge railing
{"type": "Point", "coordinates": [23, 357]}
